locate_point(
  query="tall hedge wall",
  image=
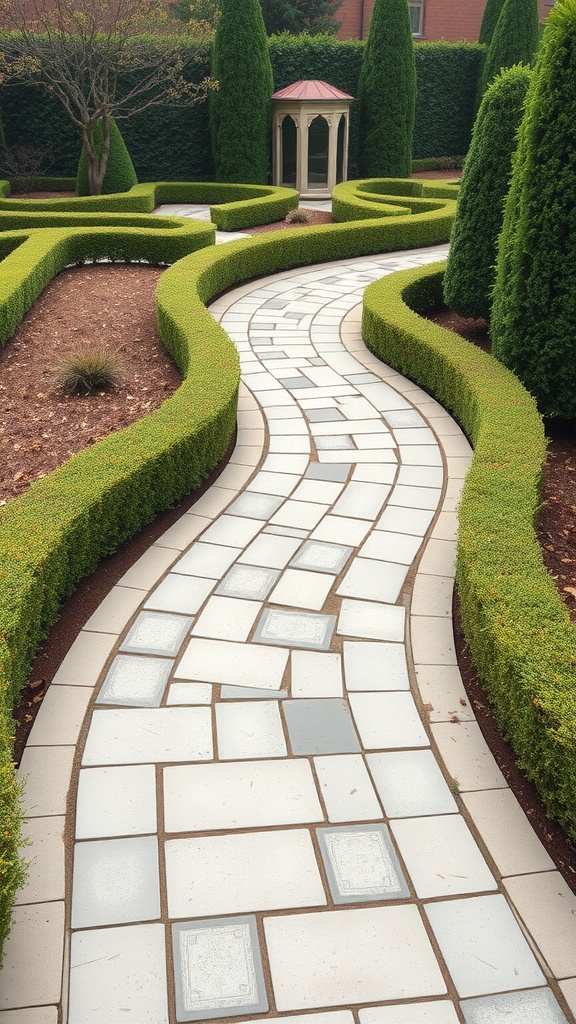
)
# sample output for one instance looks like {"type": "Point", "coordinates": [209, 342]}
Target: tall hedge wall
{"type": "Point", "coordinates": [167, 144]}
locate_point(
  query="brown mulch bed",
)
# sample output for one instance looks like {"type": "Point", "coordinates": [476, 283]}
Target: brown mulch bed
{"type": "Point", "coordinates": [114, 306]}
{"type": "Point", "coordinates": [313, 217]}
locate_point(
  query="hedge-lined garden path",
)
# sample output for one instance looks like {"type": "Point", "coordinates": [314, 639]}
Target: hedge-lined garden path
{"type": "Point", "coordinates": [255, 788]}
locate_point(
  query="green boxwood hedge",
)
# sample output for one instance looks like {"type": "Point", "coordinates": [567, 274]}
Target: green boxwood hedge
{"type": "Point", "coordinates": [395, 197]}
{"type": "Point", "coordinates": [519, 633]}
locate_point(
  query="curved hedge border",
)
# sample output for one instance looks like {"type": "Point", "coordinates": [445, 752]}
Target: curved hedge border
{"type": "Point", "coordinates": [56, 533]}
{"type": "Point", "coordinates": [392, 197]}
{"type": "Point", "coordinates": [231, 206]}
{"type": "Point", "coordinates": [519, 633]}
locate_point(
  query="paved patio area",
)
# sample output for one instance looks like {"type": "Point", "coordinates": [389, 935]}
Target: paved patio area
{"type": "Point", "coordinates": [256, 789]}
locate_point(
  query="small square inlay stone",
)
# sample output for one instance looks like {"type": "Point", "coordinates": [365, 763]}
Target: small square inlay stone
{"type": "Point", "coordinates": [256, 506]}
{"type": "Point", "coordinates": [135, 681]}
{"type": "Point", "coordinates": [115, 881]}
{"type": "Point", "coordinates": [218, 969]}
{"type": "Point", "coordinates": [333, 442]}
{"type": "Point", "coordinates": [250, 581]}
{"type": "Point", "coordinates": [157, 633]}
{"type": "Point", "coordinates": [295, 629]}
{"type": "Point", "coordinates": [320, 556]}
{"type": "Point", "coordinates": [361, 864]}
{"type": "Point", "coordinates": [528, 1007]}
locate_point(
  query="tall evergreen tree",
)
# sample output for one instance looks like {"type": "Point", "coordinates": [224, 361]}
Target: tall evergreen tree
{"type": "Point", "coordinates": [515, 41]}
{"type": "Point", "coordinates": [240, 108]}
{"type": "Point", "coordinates": [489, 20]}
{"type": "Point", "coordinates": [534, 309]}
{"type": "Point", "coordinates": [469, 274]}
{"type": "Point", "coordinates": [387, 92]}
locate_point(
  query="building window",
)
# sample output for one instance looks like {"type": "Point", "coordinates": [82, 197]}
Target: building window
{"type": "Point", "coordinates": [417, 16]}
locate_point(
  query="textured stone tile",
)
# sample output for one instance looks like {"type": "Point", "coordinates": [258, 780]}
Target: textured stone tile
{"type": "Point", "coordinates": [248, 581]}
{"type": "Point", "coordinates": [115, 881]}
{"type": "Point", "coordinates": [410, 783]}
{"type": "Point", "coordinates": [343, 957]}
{"type": "Point", "coordinates": [246, 730]}
{"type": "Point", "coordinates": [320, 726]}
{"type": "Point", "coordinates": [387, 720]}
{"type": "Point", "coordinates": [534, 1007]}
{"type": "Point", "coordinates": [44, 854]}
{"type": "Point", "coordinates": [218, 969]}
{"type": "Point", "coordinates": [135, 680]}
{"type": "Point", "coordinates": [119, 801]}
{"type": "Point", "coordinates": [108, 963]}
{"type": "Point", "coordinates": [375, 666]}
{"type": "Point", "coordinates": [548, 909]}
{"type": "Point", "coordinates": [439, 1012]}
{"type": "Point", "coordinates": [182, 594]}
{"type": "Point", "coordinates": [235, 874]}
{"type": "Point", "coordinates": [47, 772]}
{"type": "Point", "coordinates": [361, 864]}
{"type": "Point", "coordinates": [247, 794]}
{"type": "Point", "coordinates": [467, 757]}
{"type": "Point", "coordinates": [211, 560]}
{"type": "Point", "coordinates": [227, 618]}
{"type": "Point", "coordinates": [60, 717]}
{"type": "Point", "coordinates": [316, 675]}
{"type": "Point", "coordinates": [373, 580]}
{"type": "Point", "coordinates": [371, 621]}
{"type": "Point", "coordinates": [483, 946]}
{"type": "Point", "coordinates": [233, 664]}
{"type": "Point", "coordinates": [156, 633]}
{"type": "Point", "coordinates": [85, 659]}
{"type": "Point", "coordinates": [507, 833]}
{"type": "Point", "coordinates": [346, 788]}
{"type": "Point", "coordinates": [295, 629]}
{"type": "Point", "coordinates": [36, 939]}
{"type": "Point", "coordinates": [320, 556]}
{"type": "Point", "coordinates": [255, 505]}
{"type": "Point", "coordinates": [441, 856]}
{"type": "Point", "coordinates": [146, 735]}
{"type": "Point", "coordinates": [301, 589]}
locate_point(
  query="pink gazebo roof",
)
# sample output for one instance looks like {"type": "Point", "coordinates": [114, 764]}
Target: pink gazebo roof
{"type": "Point", "coordinates": [311, 90]}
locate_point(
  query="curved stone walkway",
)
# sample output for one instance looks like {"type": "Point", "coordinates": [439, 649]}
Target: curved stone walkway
{"type": "Point", "coordinates": [285, 808]}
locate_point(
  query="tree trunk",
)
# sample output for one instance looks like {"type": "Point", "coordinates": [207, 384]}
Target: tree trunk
{"type": "Point", "coordinates": [97, 160]}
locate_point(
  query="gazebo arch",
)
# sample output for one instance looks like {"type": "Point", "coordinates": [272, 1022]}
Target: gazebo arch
{"type": "Point", "coordinates": [311, 128]}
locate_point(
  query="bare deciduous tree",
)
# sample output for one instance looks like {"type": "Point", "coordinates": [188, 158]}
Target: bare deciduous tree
{"type": "Point", "coordinates": [102, 60]}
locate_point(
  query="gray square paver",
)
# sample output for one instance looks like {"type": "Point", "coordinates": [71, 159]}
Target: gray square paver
{"type": "Point", "coordinates": [135, 680]}
{"type": "Point", "coordinates": [218, 969]}
{"type": "Point", "coordinates": [235, 874]}
{"type": "Point", "coordinates": [317, 471]}
{"type": "Point", "coordinates": [410, 783]}
{"type": "Point", "coordinates": [155, 633]}
{"type": "Point", "coordinates": [116, 881]}
{"type": "Point", "coordinates": [361, 864]}
{"type": "Point", "coordinates": [117, 801]}
{"type": "Point", "coordinates": [320, 726]}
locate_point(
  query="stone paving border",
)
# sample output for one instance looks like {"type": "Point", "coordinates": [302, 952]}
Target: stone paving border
{"type": "Point", "coordinates": [540, 899]}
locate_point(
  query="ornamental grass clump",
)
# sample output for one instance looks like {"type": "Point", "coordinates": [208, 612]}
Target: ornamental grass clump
{"type": "Point", "coordinates": [88, 370]}
{"type": "Point", "coordinates": [297, 217]}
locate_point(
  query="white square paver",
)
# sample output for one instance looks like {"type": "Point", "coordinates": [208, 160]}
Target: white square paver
{"type": "Point", "coordinates": [344, 957]}
{"type": "Point", "coordinates": [232, 531]}
{"type": "Point", "coordinates": [108, 963]}
{"type": "Point", "coordinates": [375, 666]}
{"type": "Point", "coordinates": [346, 788]}
{"type": "Point", "coordinates": [339, 530]}
{"type": "Point", "coordinates": [249, 729]}
{"type": "Point", "coordinates": [373, 580]}
{"type": "Point", "coordinates": [371, 621]}
{"type": "Point", "coordinates": [440, 1012]}
{"type": "Point", "coordinates": [233, 664]}
{"type": "Point", "coordinates": [270, 551]}
{"type": "Point", "coordinates": [432, 595]}
{"type": "Point", "coordinates": [303, 514]}
{"type": "Point", "coordinates": [362, 500]}
{"type": "Point", "coordinates": [115, 881]}
{"type": "Point", "coordinates": [483, 946]}
{"type": "Point", "coordinates": [118, 801]}
{"type": "Point", "coordinates": [391, 547]}
{"type": "Point", "coordinates": [338, 1017]}
{"type": "Point", "coordinates": [413, 521]}
{"type": "Point", "coordinates": [182, 594]}
{"type": "Point", "coordinates": [323, 491]}
{"type": "Point", "coordinates": [274, 483]}
{"type": "Point", "coordinates": [298, 588]}
{"type": "Point", "coordinates": [246, 794]}
{"type": "Point", "coordinates": [36, 939]}
{"type": "Point", "coordinates": [441, 856]}
{"type": "Point", "coordinates": [227, 618]}
{"type": "Point", "coordinates": [190, 693]}
{"type": "Point", "coordinates": [410, 783]}
{"type": "Point", "coordinates": [315, 674]}
{"type": "Point", "coordinates": [234, 874]}
{"type": "Point", "coordinates": [387, 720]}
{"type": "Point", "coordinates": [211, 560]}
{"type": "Point", "coordinates": [147, 735]}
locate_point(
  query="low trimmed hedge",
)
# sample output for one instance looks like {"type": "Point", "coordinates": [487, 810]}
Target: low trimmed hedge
{"type": "Point", "coordinates": [519, 633]}
{"type": "Point", "coordinates": [232, 206]}
{"type": "Point", "coordinates": [66, 523]}
{"type": "Point", "coordinates": [393, 197]}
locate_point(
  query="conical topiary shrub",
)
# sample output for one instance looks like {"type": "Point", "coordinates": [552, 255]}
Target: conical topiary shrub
{"type": "Point", "coordinates": [515, 41]}
{"type": "Point", "coordinates": [489, 20]}
{"type": "Point", "coordinates": [120, 175]}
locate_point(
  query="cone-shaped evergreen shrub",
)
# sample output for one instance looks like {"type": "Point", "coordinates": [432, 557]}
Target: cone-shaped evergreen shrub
{"type": "Point", "coordinates": [470, 271]}
{"type": "Point", "coordinates": [120, 175]}
{"type": "Point", "coordinates": [515, 41]}
{"type": "Point", "coordinates": [387, 93]}
{"type": "Point", "coordinates": [489, 20]}
{"type": "Point", "coordinates": [240, 108]}
{"type": "Point", "coordinates": [534, 310]}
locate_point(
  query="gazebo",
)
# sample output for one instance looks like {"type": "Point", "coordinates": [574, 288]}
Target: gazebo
{"type": "Point", "coordinates": [311, 125]}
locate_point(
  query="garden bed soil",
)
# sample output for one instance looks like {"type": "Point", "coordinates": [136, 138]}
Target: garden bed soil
{"type": "Point", "coordinates": [114, 306]}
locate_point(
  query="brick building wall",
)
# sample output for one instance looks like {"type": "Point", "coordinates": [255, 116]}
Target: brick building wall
{"type": "Point", "coordinates": [452, 20]}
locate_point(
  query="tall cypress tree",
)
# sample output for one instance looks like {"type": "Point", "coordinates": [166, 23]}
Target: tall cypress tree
{"type": "Point", "coordinates": [387, 92]}
{"type": "Point", "coordinates": [489, 20]}
{"type": "Point", "coordinates": [534, 309]}
{"type": "Point", "coordinates": [240, 108]}
{"type": "Point", "coordinates": [515, 41]}
{"type": "Point", "coordinates": [469, 274]}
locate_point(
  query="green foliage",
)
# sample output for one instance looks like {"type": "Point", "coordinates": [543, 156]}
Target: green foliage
{"type": "Point", "coordinates": [12, 869]}
{"type": "Point", "coordinates": [387, 92]}
{"type": "Point", "coordinates": [316, 17]}
{"type": "Point", "coordinates": [120, 175]}
{"type": "Point", "coordinates": [534, 309]}
{"type": "Point", "coordinates": [469, 275]}
{"type": "Point", "coordinates": [375, 198]}
{"type": "Point", "coordinates": [519, 633]}
{"type": "Point", "coordinates": [240, 108]}
{"type": "Point", "coordinates": [515, 41]}
{"type": "Point", "coordinates": [489, 20]}
{"type": "Point", "coordinates": [87, 370]}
